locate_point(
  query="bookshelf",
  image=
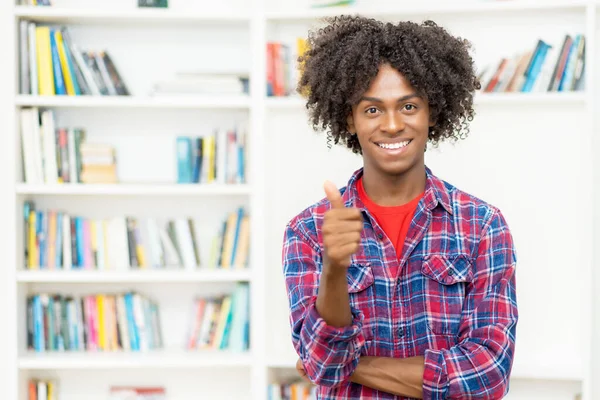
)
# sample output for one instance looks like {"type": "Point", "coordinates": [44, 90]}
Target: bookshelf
{"type": "Point", "coordinates": [278, 133]}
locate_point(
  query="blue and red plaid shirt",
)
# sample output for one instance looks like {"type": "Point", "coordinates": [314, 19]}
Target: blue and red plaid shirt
{"type": "Point", "coordinates": [450, 298]}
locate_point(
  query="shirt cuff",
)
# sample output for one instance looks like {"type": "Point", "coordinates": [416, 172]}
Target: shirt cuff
{"type": "Point", "coordinates": [322, 331]}
{"type": "Point", "coordinates": [435, 377]}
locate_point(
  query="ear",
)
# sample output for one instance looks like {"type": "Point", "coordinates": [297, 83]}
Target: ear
{"type": "Point", "coordinates": [350, 122]}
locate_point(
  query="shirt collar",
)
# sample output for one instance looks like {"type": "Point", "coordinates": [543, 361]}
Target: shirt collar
{"type": "Point", "coordinates": [436, 192]}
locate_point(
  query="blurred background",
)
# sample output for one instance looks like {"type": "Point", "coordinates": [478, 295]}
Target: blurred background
{"type": "Point", "coordinates": [152, 152]}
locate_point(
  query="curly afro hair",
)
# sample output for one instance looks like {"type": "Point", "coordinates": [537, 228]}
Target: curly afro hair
{"type": "Point", "coordinates": [345, 56]}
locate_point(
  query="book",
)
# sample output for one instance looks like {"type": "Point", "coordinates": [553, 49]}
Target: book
{"type": "Point", "coordinates": [543, 68]}
{"type": "Point", "coordinates": [104, 322]}
{"type": "Point", "coordinates": [51, 63]}
{"type": "Point", "coordinates": [57, 240]}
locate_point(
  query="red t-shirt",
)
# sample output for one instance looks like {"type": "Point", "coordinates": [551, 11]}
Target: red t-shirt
{"type": "Point", "coordinates": [394, 220]}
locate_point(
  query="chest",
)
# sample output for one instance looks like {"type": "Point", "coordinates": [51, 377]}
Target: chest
{"type": "Point", "coordinates": [413, 302]}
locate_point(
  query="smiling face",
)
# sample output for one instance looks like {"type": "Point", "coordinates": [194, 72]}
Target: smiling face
{"type": "Point", "coordinates": [392, 124]}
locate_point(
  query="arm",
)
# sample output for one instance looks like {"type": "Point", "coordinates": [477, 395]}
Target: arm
{"type": "Point", "coordinates": [479, 366]}
{"type": "Point", "coordinates": [329, 349]}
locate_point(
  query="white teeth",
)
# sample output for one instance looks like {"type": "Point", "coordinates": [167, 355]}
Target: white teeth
{"type": "Point", "coordinates": [393, 146]}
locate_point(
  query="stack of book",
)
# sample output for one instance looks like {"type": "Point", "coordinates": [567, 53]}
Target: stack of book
{"type": "Point", "coordinates": [283, 71]}
{"type": "Point", "coordinates": [221, 322]}
{"type": "Point", "coordinates": [53, 239]}
{"type": "Point", "coordinates": [101, 322]}
{"type": "Point", "coordinates": [546, 68]}
{"type": "Point", "coordinates": [98, 163]}
{"type": "Point", "coordinates": [41, 389]}
{"type": "Point", "coordinates": [52, 64]}
{"type": "Point", "coordinates": [219, 157]}
{"type": "Point", "coordinates": [54, 154]}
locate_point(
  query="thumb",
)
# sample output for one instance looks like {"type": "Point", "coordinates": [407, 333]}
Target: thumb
{"type": "Point", "coordinates": [333, 195]}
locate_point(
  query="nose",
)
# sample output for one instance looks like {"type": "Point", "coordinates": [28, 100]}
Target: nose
{"type": "Point", "coordinates": [392, 123]}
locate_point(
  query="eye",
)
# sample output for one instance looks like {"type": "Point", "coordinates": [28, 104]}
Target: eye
{"type": "Point", "coordinates": [410, 107]}
{"type": "Point", "coordinates": [371, 110]}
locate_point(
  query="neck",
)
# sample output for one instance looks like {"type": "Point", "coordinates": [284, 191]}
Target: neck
{"type": "Point", "coordinates": [394, 190]}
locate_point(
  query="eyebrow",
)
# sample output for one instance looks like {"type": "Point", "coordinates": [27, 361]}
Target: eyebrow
{"type": "Point", "coordinates": [376, 100]}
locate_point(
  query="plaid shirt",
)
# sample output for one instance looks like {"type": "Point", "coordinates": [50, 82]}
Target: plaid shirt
{"type": "Point", "coordinates": [450, 298]}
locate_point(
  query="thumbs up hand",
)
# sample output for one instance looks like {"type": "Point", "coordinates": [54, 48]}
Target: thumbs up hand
{"type": "Point", "coordinates": [342, 227]}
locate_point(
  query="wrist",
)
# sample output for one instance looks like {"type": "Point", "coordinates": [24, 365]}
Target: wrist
{"type": "Point", "coordinates": [333, 272]}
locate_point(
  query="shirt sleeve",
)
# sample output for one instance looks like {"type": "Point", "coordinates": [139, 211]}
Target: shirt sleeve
{"type": "Point", "coordinates": [329, 354]}
{"type": "Point", "coordinates": [479, 366]}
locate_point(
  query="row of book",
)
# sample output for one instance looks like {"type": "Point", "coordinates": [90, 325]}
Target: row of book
{"type": "Point", "coordinates": [219, 157]}
{"type": "Point", "coordinates": [221, 322]}
{"type": "Point", "coordinates": [35, 3]}
{"type": "Point", "coordinates": [545, 68]}
{"type": "Point", "coordinates": [53, 154]}
{"type": "Point", "coordinates": [52, 64]}
{"type": "Point", "coordinates": [298, 390]}
{"type": "Point", "coordinates": [41, 389]}
{"type": "Point", "coordinates": [283, 71]}
{"type": "Point", "coordinates": [53, 239]}
{"type": "Point", "coordinates": [101, 322]}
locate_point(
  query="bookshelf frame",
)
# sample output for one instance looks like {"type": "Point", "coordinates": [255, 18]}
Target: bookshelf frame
{"type": "Point", "coordinates": [258, 106]}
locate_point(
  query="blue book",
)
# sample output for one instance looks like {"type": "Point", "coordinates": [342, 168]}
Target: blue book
{"type": "Point", "coordinates": [59, 82]}
{"type": "Point", "coordinates": [184, 160]}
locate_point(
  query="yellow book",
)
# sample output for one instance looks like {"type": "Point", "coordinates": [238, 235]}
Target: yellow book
{"type": "Point", "coordinates": [241, 255]}
{"type": "Point", "coordinates": [301, 48]}
{"type": "Point", "coordinates": [64, 64]}
{"type": "Point", "coordinates": [140, 252]}
{"type": "Point", "coordinates": [222, 322]}
{"type": "Point", "coordinates": [32, 235]}
{"type": "Point", "coordinates": [44, 61]}
{"type": "Point", "coordinates": [228, 240]}
{"type": "Point", "coordinates": [101, 322]}
{"type": "Point", "coordinates": [50, 392]}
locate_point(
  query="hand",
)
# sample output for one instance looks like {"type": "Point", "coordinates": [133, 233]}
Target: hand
{"type": "Point", "coordinates": [301, 371]}
{"type": "Point", "coordinates": [341, 230]}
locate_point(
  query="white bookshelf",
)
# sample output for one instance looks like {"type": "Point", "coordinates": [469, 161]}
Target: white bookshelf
{"type": "Point", "coordinates": [280, 145]}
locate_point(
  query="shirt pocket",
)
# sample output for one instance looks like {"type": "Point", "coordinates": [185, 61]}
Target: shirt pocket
{"type": "Point", "coordinates": [361, 290]}
{"type": "Point", "coordinates": [445, 280]}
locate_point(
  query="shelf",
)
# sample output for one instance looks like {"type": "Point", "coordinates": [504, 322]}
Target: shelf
{"type": "Point", "coordinates": [160, 359]}
{"type": "Point", "coordinates": [133, 276]}
{"type": "Point", "coordinates": [124, 189]}
{"type": "Point", "coordinates": [283, 103]}
{"type": "Point", "coordinates": [63, 15]}
{"type": "Point", "coordinates": [182, 102]}
{"type": "Point", "coordinates": [428, 8]}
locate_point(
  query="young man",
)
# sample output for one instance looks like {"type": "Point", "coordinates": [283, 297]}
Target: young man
{"type": "Point", "coordinates": [400, 285]}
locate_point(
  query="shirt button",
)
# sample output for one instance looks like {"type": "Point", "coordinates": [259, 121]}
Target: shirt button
{"type": "Point", "coordinates": [380, 235]}
{"type": "Point", "coordinates": [401, 332]}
